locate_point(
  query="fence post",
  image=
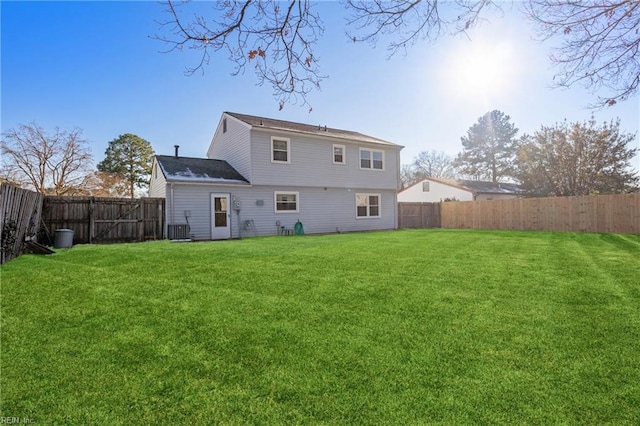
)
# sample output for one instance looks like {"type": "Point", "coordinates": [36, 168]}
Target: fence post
{"type": "Point", "coordinates": [92, 220]}
{"type": "Point", "coordinates": [141, 224]}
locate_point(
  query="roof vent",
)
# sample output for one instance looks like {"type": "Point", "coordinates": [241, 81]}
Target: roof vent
{"type": "Point", "coordinates": [261, 122]}
{"type": "Point", "coordinates": [176, 148]}
{"type": "Point", "coordinates": [325, 127]}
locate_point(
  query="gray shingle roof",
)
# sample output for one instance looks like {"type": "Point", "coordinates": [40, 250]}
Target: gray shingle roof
{"type": "Point", "coordinates": [479, 186]}
{"type": "Point", "coordinates": [270, 123]}
{"type": "Point", "coordinates": [187, 169]}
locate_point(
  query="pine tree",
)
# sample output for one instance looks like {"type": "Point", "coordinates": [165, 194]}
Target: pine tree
{"type": "Point", "coordinates": [131, 157]}
{"type": "Point", "coordinates": [489, 148]}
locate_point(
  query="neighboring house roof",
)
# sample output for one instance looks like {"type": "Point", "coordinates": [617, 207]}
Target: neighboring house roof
{"type": "Point", "coordinates": [187, 169]}
{"type": "Point", "coordinates": [477, 186]}
{"type": "Point", "coordinates": [270, 123]}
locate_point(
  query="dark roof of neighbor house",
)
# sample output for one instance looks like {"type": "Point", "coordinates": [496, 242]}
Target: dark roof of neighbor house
{"type": "Point", "coordinates": [188, 169]}
{"type": "Point", "coordinates": [318, 130]}
{"type": "Point", "coordinates": [481, 187]}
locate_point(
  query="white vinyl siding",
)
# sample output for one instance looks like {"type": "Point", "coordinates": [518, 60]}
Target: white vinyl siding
{"type": "Point", "coordinates": [234, 146]}
{"type": "Point", "coordinates": [158, 183]}
{"type": "Point", "coordinates": [437, 192]}
{"type": "Point", "coordinates": [312, 164]}
{"type": "Point", "coordinates": [320, 211]}
{"type": "Point", "coordinates": [371, 159]}
{"type": "Point", "coordinates": [286, 202]}
{"type": "Point", "coordinates": [339, 154]}
{"type": "Point", "coordinates": [280, 150]}
{"type": "Point", "coordinates": [367, 205]}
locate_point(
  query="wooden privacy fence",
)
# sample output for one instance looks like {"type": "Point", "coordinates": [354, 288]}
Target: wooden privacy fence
{"type": "Point", "coordinates": [419, 215]}
{"type": "Point", "coordinates": [105, 220]}
{"type": "Point", "coordinates": [20, 211]}
{"type": "Point", "coordinates": [617, 213]}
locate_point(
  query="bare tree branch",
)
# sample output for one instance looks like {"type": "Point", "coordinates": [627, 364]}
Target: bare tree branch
{"type": "Point", "coordinates": [53, 163]}
{"type": "Point", "coordinates": [600, 42]}
{"type": "Point", "coordinates": [600, 39]}
{"type": "Point", "coordinates": [409, 21]}
{"type": "Point", "coordinates": [278, 38]}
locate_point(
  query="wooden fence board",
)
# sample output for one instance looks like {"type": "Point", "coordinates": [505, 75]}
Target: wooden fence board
{"type": "Point", "coordinates": [20, 212]}
{"type": "Point", "coordinates": [419, 215]}
{"type": "Point", "coordinates": [617, 213]}
{"type": "Point", "coordinates": [105, 220]}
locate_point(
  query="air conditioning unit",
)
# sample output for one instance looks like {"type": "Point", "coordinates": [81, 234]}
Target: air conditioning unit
{"type": "Point", "coordinates": [179, 231]}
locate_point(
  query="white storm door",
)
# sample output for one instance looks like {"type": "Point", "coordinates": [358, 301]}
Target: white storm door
{"type": "Point", "coordinates": [220, 217]}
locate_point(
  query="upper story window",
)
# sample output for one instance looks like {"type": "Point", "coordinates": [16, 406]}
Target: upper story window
{"type": "Point", "coordinates": [339, 154]}
{"type": "Point", "coordinates": [371, 159]}
{"type": "Point", "coordinates": [425, 187]}
{"type": "Point", "coordinates": [224, 125]}
{"type": "Point", "coordinates": [286, 202]}
{"type": "Point", "coordinates": [280, 150]}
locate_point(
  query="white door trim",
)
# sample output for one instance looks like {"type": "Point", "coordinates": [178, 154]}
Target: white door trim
{"type": "Point", "coordinates": [222, 229]}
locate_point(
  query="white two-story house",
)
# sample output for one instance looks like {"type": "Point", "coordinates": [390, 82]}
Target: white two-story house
{"type": "Point", "coordinates": [262, 176]}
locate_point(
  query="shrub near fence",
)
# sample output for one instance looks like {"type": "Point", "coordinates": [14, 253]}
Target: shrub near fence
{"type": "Point", "coordinates": [20, 211]}
{"type": "Point", "coordinates": [616, 213]}
{"type": "Point", "coordinates": [105, 220]}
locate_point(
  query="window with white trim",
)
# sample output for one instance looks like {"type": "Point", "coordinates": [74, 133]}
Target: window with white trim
{"type": "Point", "coordinates": [339, 154]}
{"type": "Point", "coordinates": [367, 205]}
{"type": "Point", "coordinates": [425, 187]}
{"type": "Point", "coordinates": [371, 159]}
{"type": "Point", "coordinates": [280, 150]}
{"type": "Point", "coordinates": [286, 202]}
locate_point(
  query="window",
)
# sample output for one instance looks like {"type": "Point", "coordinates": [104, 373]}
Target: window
{"type": "Point", "coordinates": [280, 150]}
{"type": "Point", "coordinates": [367, 205]}
{"type": "Point", "coordinates": [371, 159]}
{"type": "Point", "coordinates": [425, 187]}
{"type": "Point", "coordinates": [286, 202]}
{"type": "Point", "coordinates": [224, 125]}
{"type": "Point", "coordinates": [339, 154]}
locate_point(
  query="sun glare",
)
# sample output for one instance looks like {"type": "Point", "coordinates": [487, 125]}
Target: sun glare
{"type": "Point", "coordinates": [480, 69]}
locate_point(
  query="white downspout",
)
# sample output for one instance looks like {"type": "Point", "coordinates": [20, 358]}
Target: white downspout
{"type": "Point", "coordinates": [172, 208]}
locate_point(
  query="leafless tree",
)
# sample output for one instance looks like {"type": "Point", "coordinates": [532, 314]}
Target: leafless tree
{"type": "Point", "coordinates": [278, 37]}
{"type": "Point", "coordinates": [432, 163]}
{"type": "Point", "coordinates": [51, 163]}
{"type": "Point", "coordinates": [103, 184]}
{"type": "Point", "coordinates": [409, 21]}
{"type": "Point", "coordinates": [435, 164]}
{"type": "Point", "coordinates": [600, 40]}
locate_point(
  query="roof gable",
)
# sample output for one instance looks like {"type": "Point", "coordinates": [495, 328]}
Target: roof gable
{"type": "Point", "coordinates": [322, 131]}
{"type": "Point", "coordinates": [187, 169]}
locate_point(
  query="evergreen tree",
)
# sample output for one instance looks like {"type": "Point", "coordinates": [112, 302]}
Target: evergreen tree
{"type": "Point", "coordinates": [489, 148]}
{"type": "Point", "coordinates": [131, 157]}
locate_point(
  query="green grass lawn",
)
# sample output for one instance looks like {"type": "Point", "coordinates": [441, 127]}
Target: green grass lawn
{"type": "Point", "coordinates": [399, 327]}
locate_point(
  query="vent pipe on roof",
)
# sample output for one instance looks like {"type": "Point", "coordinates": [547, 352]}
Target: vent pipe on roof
{"type": "Point", "coordinates": [176, 147]}
{"type": "Point", "coordinates": [325, 127]}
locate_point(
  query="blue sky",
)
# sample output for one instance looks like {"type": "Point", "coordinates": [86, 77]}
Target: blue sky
{"type": "Point", "coordinates": [93, 65]}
